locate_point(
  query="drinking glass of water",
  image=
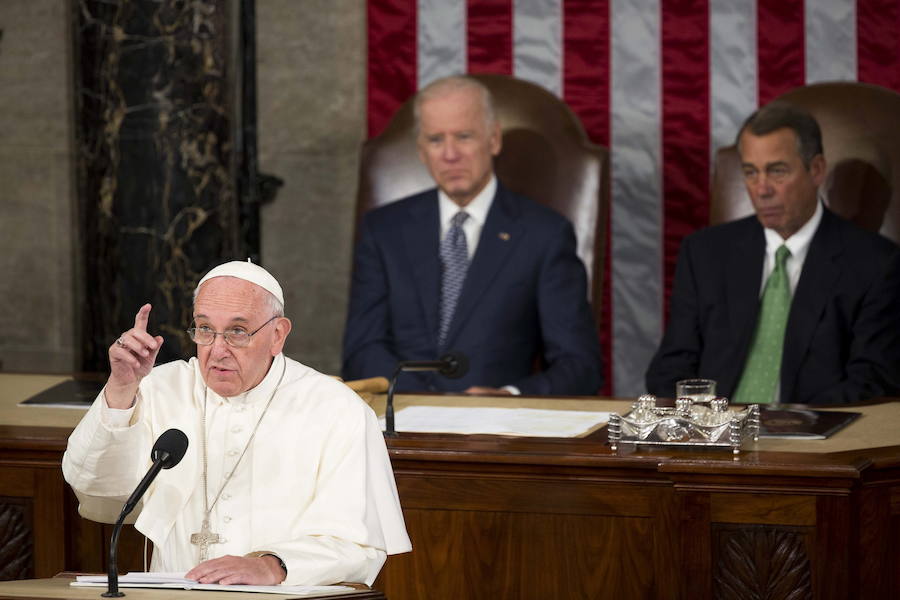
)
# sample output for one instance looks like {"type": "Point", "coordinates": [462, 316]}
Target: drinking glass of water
{"type": "Point", "coordinates": [698, 390]}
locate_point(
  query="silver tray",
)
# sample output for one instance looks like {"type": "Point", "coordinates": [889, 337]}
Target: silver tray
{"type": "Point", "coordinates": [700, 423]}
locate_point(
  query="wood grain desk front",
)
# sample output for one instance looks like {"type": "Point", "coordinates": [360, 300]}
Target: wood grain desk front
{"type": "Point", "coordinates": [506, 517]}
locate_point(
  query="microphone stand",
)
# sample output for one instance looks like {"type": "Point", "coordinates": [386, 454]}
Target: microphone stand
{"type": "Point", "coordinates": [112, 576]}
{"type": "Point", "coordinates": [167, 452]}
{"type": "Point", "coordinates": [451, 365]}
{"type": "Point", "coordinates": [389, 430]}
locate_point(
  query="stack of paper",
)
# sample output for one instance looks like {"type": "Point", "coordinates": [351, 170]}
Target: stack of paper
{"type": "Point", "coordinates": [533, 422]}
{"type": "Point", "coordinates": [177, 581]}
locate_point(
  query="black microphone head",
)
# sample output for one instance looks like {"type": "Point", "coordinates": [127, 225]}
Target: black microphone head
{"type": "Point", "coordinates": [169, 448]}
{"type": "Point", "coordinates": [457, 365]}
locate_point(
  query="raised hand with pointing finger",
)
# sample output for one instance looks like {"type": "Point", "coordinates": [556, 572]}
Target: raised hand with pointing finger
{"type": "Point", "coordinates": [131, 357]}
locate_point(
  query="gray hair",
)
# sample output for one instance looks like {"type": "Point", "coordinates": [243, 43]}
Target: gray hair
{"type": "Point", "coordinates": [276, 308]}
{"type": "Point", "coordinates": [455, 83]}
{"type": "Point", "coordinates": [778, 115]}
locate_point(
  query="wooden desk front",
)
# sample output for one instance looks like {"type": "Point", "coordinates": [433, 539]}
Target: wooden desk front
{"type": "Point", "coordinates": [501, 517]}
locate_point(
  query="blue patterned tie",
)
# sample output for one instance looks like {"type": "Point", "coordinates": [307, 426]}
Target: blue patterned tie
{"type": "Point", "coordinates": [454, 263]}
{"type": "Point", "coordinates": [761, 373]}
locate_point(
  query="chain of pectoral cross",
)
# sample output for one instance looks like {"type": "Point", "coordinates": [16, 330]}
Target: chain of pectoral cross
{"type": "Point", "coordinates": [206, 536]}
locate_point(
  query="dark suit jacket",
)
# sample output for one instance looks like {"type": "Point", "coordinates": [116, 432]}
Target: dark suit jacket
{"type": "Point", "coordinates": [842, 342]}
{"type": "Point", "coordinates": [524, 298]}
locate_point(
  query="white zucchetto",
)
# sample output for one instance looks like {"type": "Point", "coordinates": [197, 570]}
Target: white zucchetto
{"type": "Point", "coordinates": [248, 272]}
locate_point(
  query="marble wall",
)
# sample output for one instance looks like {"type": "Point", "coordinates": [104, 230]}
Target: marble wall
{"type": "Point", "coordinates": [37, 221]}
{"type": "Point", "coordinates": [156, 116]}
{"type": "Point", "coordinates": [311, 91]}
{"type": "Point", "coordinates": [311, 116]}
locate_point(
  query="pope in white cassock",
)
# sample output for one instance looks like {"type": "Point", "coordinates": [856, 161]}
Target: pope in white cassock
{"type": "Point", "coordinates": [286, 477]}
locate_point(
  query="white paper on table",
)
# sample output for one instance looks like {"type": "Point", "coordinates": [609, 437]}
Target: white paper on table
{"type": "Point", "coordinates": [177, 581]}
{"type": "Point", "coordinates": [137, 577]}
{"type": "Point", "coordinates": [533, 422]}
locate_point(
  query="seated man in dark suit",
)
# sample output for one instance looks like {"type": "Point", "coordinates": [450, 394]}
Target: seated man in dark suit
{"type": "Point", "coordinates": [793, 304]}
{"type": "Point", "coordinates": [472, 267]}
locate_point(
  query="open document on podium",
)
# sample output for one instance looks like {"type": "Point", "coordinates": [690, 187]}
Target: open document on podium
{"type": "Point", "coordinates": [177, 581]}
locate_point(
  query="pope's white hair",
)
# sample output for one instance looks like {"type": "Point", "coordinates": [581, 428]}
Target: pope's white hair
{"type": "Point", "coordinates": [276, 308]}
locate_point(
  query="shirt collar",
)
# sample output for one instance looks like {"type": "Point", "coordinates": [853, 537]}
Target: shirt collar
{"type": "Point", "coordinates": [478, 208]}
{"type": "Point", "coordinates": [798, 243]}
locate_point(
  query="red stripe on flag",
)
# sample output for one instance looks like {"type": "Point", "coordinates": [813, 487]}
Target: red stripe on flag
{"type": "Point", "coordinates": [878, 45]}
{"type": "Point", "coordinates": [392, 59]}
{"type": "Point", "coordinates": [685, 126]}
{"type": "Point", "coordinates": [781, 47]}
{"type": "Point", "coordinates": [489, 32]}
{"type": "Point", "coordinates": [586, 64]}
{"type": "Point", "coordinates": [586, 69]}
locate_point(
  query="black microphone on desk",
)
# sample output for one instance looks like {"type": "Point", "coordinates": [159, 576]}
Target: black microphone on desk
{"type": "Point", "coordinates": [452, 365]}
{"type": "Point", "coordinates": [167, 452]}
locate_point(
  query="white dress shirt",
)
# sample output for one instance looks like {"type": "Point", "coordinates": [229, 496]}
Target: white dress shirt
{"type": "Point", "coordinates": [798, 244]}
{"type": "Point", "coordinates": [477, 209]}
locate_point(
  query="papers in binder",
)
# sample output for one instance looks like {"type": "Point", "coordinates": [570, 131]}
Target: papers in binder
{"type": "Point", "coordinates": [177, 581]}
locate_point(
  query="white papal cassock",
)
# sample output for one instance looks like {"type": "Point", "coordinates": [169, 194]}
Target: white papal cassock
{"type": "Point", "coordinates": [315, 486]}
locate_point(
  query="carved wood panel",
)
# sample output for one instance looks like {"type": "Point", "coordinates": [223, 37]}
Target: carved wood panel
{"type": "Point", "coordinates": [760, 562]}
{"type": "Point", "coordinates": [16, 539]}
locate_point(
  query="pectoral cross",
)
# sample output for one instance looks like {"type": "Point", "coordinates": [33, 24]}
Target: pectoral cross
{"type": "Point", "coordinates": [205, 538]}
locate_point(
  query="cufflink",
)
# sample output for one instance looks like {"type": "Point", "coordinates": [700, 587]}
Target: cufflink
{"type": "Point", "coordinates": [503, 236]}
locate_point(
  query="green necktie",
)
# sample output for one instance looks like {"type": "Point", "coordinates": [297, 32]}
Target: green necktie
{"type": "Point", "coordinates": [757, 385]}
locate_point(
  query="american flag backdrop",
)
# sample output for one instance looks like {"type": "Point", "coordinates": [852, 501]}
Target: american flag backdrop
{"type": "Point", "coordinates": [662, 83]}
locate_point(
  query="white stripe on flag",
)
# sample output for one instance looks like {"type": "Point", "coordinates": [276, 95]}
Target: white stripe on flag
{"type": "Point", "coordinates": [733, 89]}
{"type": "Point", "coordinates": [537, 42]}
{"type": "Point", "coordinates": [441, 40]}
{"type": "Point", "coordinates": [830, 40]}
{"type": "Point", "coordinates": [636, 211]}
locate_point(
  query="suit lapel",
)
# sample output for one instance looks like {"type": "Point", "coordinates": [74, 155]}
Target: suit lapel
{"type": "Point", "coordinates": [743, 280]}
{"type": "Point", "coordinates": [501, 233]}
{"type": "Point", "coordinates": [421, 237]}
{"type": "Point", "coordinates": [815, 287]}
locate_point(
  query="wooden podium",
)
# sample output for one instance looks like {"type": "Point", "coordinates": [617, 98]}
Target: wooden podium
{"type": "Point", "coordinates": [504, 517]}
{"type": "Point", "coordinates": [58, 587]}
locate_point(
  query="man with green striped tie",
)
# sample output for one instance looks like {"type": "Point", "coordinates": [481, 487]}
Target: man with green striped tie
{"type": "Point", "coordinates": [793, 304]}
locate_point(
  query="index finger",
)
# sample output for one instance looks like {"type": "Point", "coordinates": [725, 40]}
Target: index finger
{"type": "Point", "coordinates": [141, 318]}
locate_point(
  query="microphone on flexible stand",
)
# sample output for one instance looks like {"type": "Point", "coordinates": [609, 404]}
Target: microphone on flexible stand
{"type": "Point", "coordinates": [452, 365]}
{"type": "Point", "coordinates": [167, 452]}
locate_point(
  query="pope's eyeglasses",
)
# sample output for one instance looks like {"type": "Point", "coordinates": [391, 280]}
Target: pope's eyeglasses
{"type": "Point", "coordinates": [237, 337]}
